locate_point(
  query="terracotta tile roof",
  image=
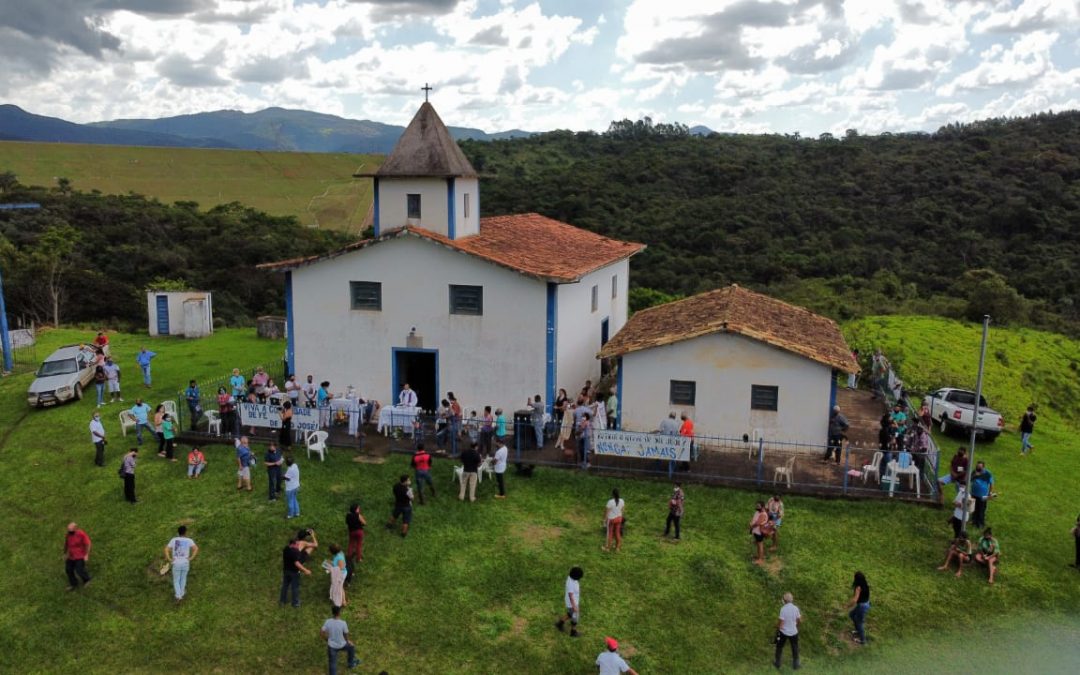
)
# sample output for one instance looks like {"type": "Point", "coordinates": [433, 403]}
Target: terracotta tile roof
{"type": "Point", "coordinates": [527, 243]}
{"type": "Point", "coordinates": [736, 310]}
{"type": "Point", "coordinates": [425, 149]}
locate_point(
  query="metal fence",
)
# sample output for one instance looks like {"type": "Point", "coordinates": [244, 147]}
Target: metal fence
{"type": "Point", "coordinates": [23, 350]}
{"type": "Point", "coordinates": [890, 388]}
{"type": "Point", "coordinates": [208, 391]}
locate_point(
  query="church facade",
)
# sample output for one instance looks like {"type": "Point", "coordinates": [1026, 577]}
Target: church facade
{"type": "Point", "coordinates": [494, 309]}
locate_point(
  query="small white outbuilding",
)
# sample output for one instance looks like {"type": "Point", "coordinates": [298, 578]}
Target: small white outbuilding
{"type": "Point", "coordinates": [184, 313]}
{"type": "Point", "coordinates": [735, 361]}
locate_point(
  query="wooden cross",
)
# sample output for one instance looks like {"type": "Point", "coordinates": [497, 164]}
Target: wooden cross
{"type": "Point", "coordinates": [426, 88]}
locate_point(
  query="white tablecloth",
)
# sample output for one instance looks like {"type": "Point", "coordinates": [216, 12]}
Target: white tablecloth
{"type": "Point", "coordinates": [397, 417]}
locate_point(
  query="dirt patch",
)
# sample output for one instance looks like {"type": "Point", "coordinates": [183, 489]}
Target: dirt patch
{"type": "Point", "coordinates": [627, 649]}
{"type": "Point", "coordinates": [773, 566]}
{"type": "Point", "coordinates": [369, 459]}
{"type": "Point", "coordinates": [536, 535]}
{"type": "Point", "coordinates": [517, 628]}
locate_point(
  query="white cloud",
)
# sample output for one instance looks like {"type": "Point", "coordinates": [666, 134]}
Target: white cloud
{"type": "Point", "coordinates": [1026, 60]}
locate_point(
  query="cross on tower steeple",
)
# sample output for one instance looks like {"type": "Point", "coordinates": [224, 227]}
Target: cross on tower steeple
{"type": "Point", "coordinates": [426, 88]}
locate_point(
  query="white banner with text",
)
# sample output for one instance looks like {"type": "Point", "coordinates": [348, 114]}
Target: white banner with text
{"type": "Point", "coordinates": [269, 417]}
{"type": "Point", "coordinates": [641, 446]}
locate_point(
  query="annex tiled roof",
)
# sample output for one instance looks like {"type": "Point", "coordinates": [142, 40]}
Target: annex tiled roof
{"type": "Point", "coordinates": [736, 310]}
{"type": "Point", "coordinates": [425, 149]}
{"type": "Point", "coordinates": [527, 243]}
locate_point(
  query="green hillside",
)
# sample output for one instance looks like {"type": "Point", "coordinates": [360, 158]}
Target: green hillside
{"type": "Point", "coordinates": [316, 188]}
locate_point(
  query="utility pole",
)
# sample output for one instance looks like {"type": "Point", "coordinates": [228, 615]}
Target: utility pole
{"type": "Point", "coordinates": [5, 339]}
{"type": "Point", "coordinates": [975, 422]}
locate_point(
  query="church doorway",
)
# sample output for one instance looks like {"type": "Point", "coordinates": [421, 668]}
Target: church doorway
{"type": "Point", "coordinates": [420, 368]}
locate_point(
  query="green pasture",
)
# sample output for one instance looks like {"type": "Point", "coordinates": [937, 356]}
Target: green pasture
{"type": "Point", "coordinates": [475, 588]}
{"type": "Point", "coordinates": [317, 188]}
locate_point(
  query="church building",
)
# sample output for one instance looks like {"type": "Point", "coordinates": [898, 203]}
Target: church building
{"type": "Point", "coordinates": [494, 309]}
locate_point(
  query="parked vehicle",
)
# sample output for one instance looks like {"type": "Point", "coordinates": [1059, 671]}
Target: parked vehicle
{"type": "Point", "coordinates": [64, 376]}
{"type": "Point", "coordinates": [953, 410]}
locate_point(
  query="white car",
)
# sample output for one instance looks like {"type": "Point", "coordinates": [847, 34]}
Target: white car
{"type": "Point", "coordinates": [63, 376]}
{"type": "Point", "coordinates": [953, 409]}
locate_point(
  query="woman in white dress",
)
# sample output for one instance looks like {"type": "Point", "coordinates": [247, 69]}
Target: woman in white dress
{"type": "Point", "coordinates": [353, 405]}
{"type": "Point", "coordinates": [599, 413]}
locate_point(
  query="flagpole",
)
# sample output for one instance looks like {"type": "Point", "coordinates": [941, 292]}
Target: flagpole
{"type": "Point", "coordinates": [975, 422]}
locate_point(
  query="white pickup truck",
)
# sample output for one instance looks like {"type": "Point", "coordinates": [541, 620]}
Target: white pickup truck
{"type": "Point", "coordinates": [953, 409]}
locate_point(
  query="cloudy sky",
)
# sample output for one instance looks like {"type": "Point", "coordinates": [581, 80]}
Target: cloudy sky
{"type": "Point", "coordinates": [810, 66]}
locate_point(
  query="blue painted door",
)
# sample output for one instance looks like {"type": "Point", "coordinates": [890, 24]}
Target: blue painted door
{"type": "Point", "coordinates": [163, 315]}
{"type": "Point", "coordinates": [603, 332]}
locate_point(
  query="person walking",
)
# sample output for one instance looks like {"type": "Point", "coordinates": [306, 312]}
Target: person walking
{"type": "Point", "coordinates": [403, 496]}
{"type": "Point", "coordinates": [336, 633]}
{"type": "Point", "coordinates": [610, 663]}
{"type": "Point", "coordinates": [675, 510]}
{"type": "Point", "coordinates": [77, 547]}
{"type": "Point", "coordinates": [787, 630]}
{"type": "Point", "coordinates": [572, 601]}
{"type": "Point", "coordinates": [272, 460]}
{"type": "Point", "coordinates": [1027, 427]}
{"type": "Point", "coordinates": [141, 412]}
{"type": "Point", "coordinates": [421, 464]}
{"type": "Point", "coordinates": [194, 402]}
{"type": "Point", "coordinates": [292, 489]}
{"type": "Point", "coordinates": [982, 484]}
{"type": "Point", "coordinates": [500, 469]}
{"type": "Point", "coordinates": [168, 435]}
{"type": "Point", "coordinates": [196, 462]}
{"type": "Point", "coordinates": [97, 437]}
{"type": "Point", "coordinates": [127, 472]}
{"type": "Point", "coordinates": [859, 606]}
{"type": "Point", "coordinates": [179, 552]}
{"type": "Point", "coordinates": [244, 460]}
{"type": "Point", "coordinates": [470, 460]}
{"type": "Point", "coordinates": [143, 358]}
{"type": "Point", "coordinates": [292, 567]}
{"type": "Point", "coordinates": [112, 378]}
{"type": "Point", "coordinates": [613, 519]}
{"type": "Point", "coordinates": [354, 553]}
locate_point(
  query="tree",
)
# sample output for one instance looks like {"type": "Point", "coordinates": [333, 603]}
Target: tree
{"type": "Point", "coordinates": [8, 181]}
{"type": "Point", "coordinates": [987, 292]}
{"type": "Point", "coordinates": [53, 256]}
{"type": "Point", "coordinates": [64, 185]}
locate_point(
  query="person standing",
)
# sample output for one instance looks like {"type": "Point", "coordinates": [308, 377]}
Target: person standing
{"type": "Point", "coordinates": [959, 504]}
{"type": "Point", "coordinates": [572, 600]}
{"type": "Point", "coordinates": [500, 469]}
{"type": "Point", "coordinates": [143, 358]}
{"type": "Point", "coordinates": [141, 412]}
{"type": "Point", "coordinates": [859, 606]}
{"type": "Point", "coordinates": [687, 429]}
{"type": "Point", "coordinates": [853, 378]}
{"type": "Point", "coordinates": [675, 510]}
{"type": "Point", "coordinates": [322, 402]}
{"type": "Point", "coordinates": [500, 425]}
{"type": "Point", "coordinates": [77, 547]}
{"type": "Point", "coordinates": [99, 384]}
{"type": "Point", "coordinates": [537, 407]}
{"type": "Point", "coordinates": [285, 432]}
{"type": "Point", "coordinates": [112, 378]}
{"type": "Point", "coordinates": [407, 398]}
{"type": "Point", "coordinates": [470, 460]}
{"type": "Point", "coordinates": [455, 422]}
{"type": "Point", "coordinates": [759, 524]}
{"type": "Point", "coordinates": [97, 437]}
{"type": "Point", "coordinates": [354, 553]}
{"type": "Point", "coordinates": [180, 551]}
{"type": "Point", "coordinates": [421, 464]}
{"type": "Point", "coordinates": [292, 488]}
{"type": "Point", "coordinates": [127, 472]}
{"type": "Point", "coordinates": [244, 460]}
{"type": "Point", "coordinates": [958, 467]}
{"type": "Point", "coordinates": [612, 409]}
{"type": "Point", "coordinates": [194, 402]}
{"type": "Point", "coordinates": [584, 433]}
{"type": "Point", "coordinates": [338, 569]}
{"type": "Point", "coordinates": [159, 417]}
{"type": "Point", "coordinates": [292, 567]}
{"type": "Point", "coordinates": [272, 460]}
{"type": "Point", "coordinates": [669, 426]}
{"type": "Point", "coordinates": [168, 435]}
{"type": "Point", "coordinates": [610, 663]}
{"type": "Point", "coordinates": [838, 426]}
{"type": "Point", "coordinates": [1076, 541]}
{"type": "Point", "coordinates": [982, 482]}
{"type": "Point", "coordinates": [1027, 427]}
{"type": "Point", "coordinates": [613, 519]}
{"type": "Point", "coordinates": [775, 510]}
{"type": "Point", "coordinates": [402, 505]}
{"type": "Point", "coordinates": [787, 630]}
{"type": "Point", "coordinates": [487, 430]}
{"type": "Point", "coordinates": [336, 633]}
{"type": "Point", "coordinates": [196, 462]}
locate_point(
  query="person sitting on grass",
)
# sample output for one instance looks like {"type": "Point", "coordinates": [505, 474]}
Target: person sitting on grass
{"type": "Point", "coordinates": [987, 552]}
{"type": "Point", "coordinates": [961, 551]}
{"type": "Point", "coordinates": [196, 462]}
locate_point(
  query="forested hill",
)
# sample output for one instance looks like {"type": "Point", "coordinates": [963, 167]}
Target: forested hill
{"type": "Point", "coordinates": [946, 223]}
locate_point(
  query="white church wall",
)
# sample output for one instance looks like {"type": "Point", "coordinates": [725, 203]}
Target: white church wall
{"type": "Point", "coordinates": [724, 366]}
{"type": "Point", "coordinates": [466, 220]}
{"type": "Point", "coordinates": [579, 326]}
{"type": "Point", "coordinates": [495, 359]}
{"type": "Point", "coordinates": [393, 203]}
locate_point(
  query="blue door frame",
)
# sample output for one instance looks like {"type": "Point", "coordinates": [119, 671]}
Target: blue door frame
{"type": "Point", "coordinates": [162, 314]}
{"type": "Point", "coordinates": [395, 386]}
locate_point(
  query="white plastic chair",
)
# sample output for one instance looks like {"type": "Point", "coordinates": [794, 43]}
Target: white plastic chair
{"type": "Point", "coordinates": [785, 471]}
{"type": "Point", "coordinates": [874, 467]}
{"type": "Point", "coordinates": [127, 421]}
{"type": "Point", "coordinates": [911, 471]}
{"type": "Point", "coordinates": [316, 442]}
{"type": "Point", "coordinates": [755, 437]}
{"type": "Point", "coordinates": [213, 422]}
{"type": "Point", "coordinates": [459, 472]}
{"type": "Point", "coordinates": [488, 467]}
{"type": "Point", "coordinates": [170, 407]}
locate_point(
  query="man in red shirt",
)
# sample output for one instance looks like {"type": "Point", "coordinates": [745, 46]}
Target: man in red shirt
{"type": "Point", "coordinates": [77, 552]}
{"type": "Point", "coordinates": [687, 429]}
{"type": "Point", "coordinates": [421, 463]}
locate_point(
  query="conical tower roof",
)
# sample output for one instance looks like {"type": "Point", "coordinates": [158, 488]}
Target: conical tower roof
{"type": "Point", "coordinates": [426, 150]}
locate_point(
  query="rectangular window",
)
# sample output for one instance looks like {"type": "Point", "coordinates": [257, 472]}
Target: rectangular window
{"type": "Point", "coordinates": [615, 286]}
{"type": "Point", "coordinates": [595, 297]}
{"type": "Point", "coordinates": [764, 397]}
{"type": "Point", "coordinates": [413, 202]}
{"type": "Point", "coordinates": [465, 210]}
{"type": "Point", "coordinates": [366, 295]}
{"type": "Point", "coordinates": [467, 300]}
{"type": "Point", "coordinates": [683, 392]}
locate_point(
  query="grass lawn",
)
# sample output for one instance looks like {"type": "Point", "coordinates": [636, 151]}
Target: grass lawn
{"type": "Point", "coordinates": [476, 588]}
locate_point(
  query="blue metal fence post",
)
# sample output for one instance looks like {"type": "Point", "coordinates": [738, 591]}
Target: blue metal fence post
{"type": "Point", "coordinates": [671, 469]}
{"type": "Point", "coordinates": [517, 436]}
{"type": "Point", "coordinates": [761, 461]}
